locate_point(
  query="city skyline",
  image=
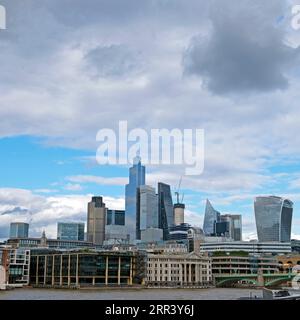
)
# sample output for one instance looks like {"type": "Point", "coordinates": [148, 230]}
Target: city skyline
{"type": "Point", "coordinates": [64, 77]}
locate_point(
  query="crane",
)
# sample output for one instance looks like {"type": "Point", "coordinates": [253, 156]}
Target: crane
{"type": "Point", "coordinates": [178, 189]}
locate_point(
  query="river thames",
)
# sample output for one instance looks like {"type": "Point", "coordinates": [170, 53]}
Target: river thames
{"type": "Point", "coordinates": [128, 294]}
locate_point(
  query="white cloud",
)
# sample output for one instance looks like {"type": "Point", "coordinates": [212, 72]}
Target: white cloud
{"type": "Point", "coordinates": [45, 211]}
{"type": "Point", "coordinates": [117, 181]}
{"type": "Point", "coordinates": [73, 187]}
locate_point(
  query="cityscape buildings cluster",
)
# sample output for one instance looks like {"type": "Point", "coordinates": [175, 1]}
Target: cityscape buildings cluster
{"type": "Point", "coordinates": [149, 243]}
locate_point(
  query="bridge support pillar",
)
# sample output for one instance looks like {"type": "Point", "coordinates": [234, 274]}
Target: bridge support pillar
{"type": "Point", "coordinates": [260, 279]}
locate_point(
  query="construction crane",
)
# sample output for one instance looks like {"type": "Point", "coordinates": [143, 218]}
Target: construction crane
{"type": "Point", "coordinates": [178, 189]}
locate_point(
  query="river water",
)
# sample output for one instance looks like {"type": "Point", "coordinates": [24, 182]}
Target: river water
{"type": "Point", "coordinates": [128, 294]}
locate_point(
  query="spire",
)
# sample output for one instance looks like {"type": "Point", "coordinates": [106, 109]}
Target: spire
{"type": "Point", "coordinates": [137, 159]}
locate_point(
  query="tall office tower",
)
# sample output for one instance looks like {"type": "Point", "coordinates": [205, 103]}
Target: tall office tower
{"type": "Point", "coordinates": [146, 209]}
{"type": "Point", "coordinates": [96, 221]}
{"type": "Point", "coordinates": [236, 227]}
{"type": "Point", "coordinates": [70, 231]}
{"type": "Point", "coordinates": [165, 209]}
{"type": "Point", "coordinates": [115, 217]}
{"type": "Point", "coordinates": [19, 230]}
{"type": "Point", "coordinates": [230, 225]}
{"type": "Point", "coordinates": [179, 213]}
{"type": "Point", "coordinates": [136, 179]}
{"type": "Point", "coordinates": [273, 217]}
{"type": "Point", "coordinates": [211, 217]}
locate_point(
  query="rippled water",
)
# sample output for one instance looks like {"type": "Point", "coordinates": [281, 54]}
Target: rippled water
{"type": "Point", "coordinates": [128, 294]}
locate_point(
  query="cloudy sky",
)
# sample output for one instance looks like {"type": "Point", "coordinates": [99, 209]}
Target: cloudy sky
{"type": "Point", "coordinates": [71, 67]}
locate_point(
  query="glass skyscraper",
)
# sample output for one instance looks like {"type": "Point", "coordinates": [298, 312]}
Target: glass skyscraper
{"type": "Point", "coordinates": [165, 209]}
{"type": "Point", "coordinates": [146, 209]}
{"type": "Point", "coordinates": [211, 217]}
{"type": "Point", "coordinates": [19, 230]}
{"type": "Point", "coordinates": [115, 217]}
{"type": "Point", "coordinates": [136, 179]}
{"type": "Point", "coordinates": [273, 217]}
{"type": "Point", "coordinates": [70, 231]}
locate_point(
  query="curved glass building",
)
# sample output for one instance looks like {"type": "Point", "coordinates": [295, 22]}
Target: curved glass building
{"type": "Point", "coordinates": [211, 217]}
{"type": "Point", "coordinates": [273, 217]}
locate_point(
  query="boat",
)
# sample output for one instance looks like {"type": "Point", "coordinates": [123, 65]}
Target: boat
{"type": "Point", "coordinates": [280, 294]}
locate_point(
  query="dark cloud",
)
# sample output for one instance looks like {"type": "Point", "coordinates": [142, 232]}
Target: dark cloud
{"type": "Point", "coordinates": [16, 210]}
{"type": "Point", "coordinates": [244, 51]}
{"type": "Point", "coordinates": [113, 61]}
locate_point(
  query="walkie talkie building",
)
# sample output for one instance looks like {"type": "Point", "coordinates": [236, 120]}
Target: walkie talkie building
{"type": "Point", "coordinates": [273, 217]}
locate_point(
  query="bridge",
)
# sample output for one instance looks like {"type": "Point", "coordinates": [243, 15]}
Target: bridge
{"type": "Point", "coordinates": [258, 279]}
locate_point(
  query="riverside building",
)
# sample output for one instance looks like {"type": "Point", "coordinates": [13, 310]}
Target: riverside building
{"type": "Point", "coordinates": [178, 270]}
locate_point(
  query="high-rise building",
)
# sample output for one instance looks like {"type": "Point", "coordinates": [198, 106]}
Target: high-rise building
{"type": "Point", "coordinates": [229, 226]}
{"type": "Point", "coordinates": [179, 213]}
{"type": "Point", "coordinates": [146, 209]}
{"type": "Point", "coordinates": [19, 230]}
{"type": "Point", "coordinates": [211, 217]}
{"type": "Point", "coordinates": [136, 179]}
{"type": "Point", "coordinates": [70, 231]}
{"type": "Point", "coordinates": [273, 217]}
{"type": "Point", "coordinates": [96, 221]}
{"type": "Point", "coordinates": [165, 209]}
{"type": "Point", "coordinates": [115, 217]}
{"type": "Point", "coordinates": [236, 229]}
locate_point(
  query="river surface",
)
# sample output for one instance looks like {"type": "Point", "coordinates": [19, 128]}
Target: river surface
{"type": "Point", "coordinates": [128, 294]}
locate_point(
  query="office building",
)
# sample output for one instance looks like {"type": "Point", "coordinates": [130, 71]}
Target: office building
{"type": "Point", "coordinates": [116, 234]}
{"type": "Point", "coordinates": [91, 268]}
{"type": "Point", "coordinates": [211, 217]}
{"type": "Point", "coordinates": [19, 230]}
{"type": "Point", "coordinates": [179, 232]}
{"type": "Point", "coordinates": [96, 221]}
{"type": "Point", "coordinates": [273, 217]}
{"type": "Point", "coordinates": [195, 237]}
{"type": "Point", "coordinates": [225, 245]}
{"type": "Point", "coordinates": [115, 217]}
{"type": "Point", "coordinates": [15, 263]}
{"type": "Point", "coordinates": [229, 226]}
{"type": "Point", "coordinates": [136, 179]}
{"type": "Point", "coordinates": [70, 231]}
{"type": "Point", "coordinates": [152, 235]}
{"type": "Point", "coordinates": [179, 214]}
{"type": "Point", "coordinates": [146, 209]}
{"type": "Point", "coordinates": [165, 209]}
{"type": "Point", "coordinates": [178, 270]}
{"type": "Point", "coordinates": [244, 264]}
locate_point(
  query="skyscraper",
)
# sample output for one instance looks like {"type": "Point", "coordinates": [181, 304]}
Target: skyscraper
{"type": "Point", "coordinates": [165, 209]}
{"type": "Point", "coordinates": [115, 217]}
{"type": "Point", "coordinates": [96, 221]}
{"type": "Point", "coordinates": [229, 226]}
{"type": "Point", "coordinates": [136, 179]}
{"type": "Point", "coordinates": [70, 231]}
{"type": "Point", "coordinates": [19, 230]}
{"type": "Point", "coordinates": [211, 217]}
{"type": "Point", "coordinates": [146, 209]}
{"type": "Point", "coordinates": [273, 217]}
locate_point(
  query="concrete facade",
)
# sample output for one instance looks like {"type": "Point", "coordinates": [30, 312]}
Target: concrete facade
{"type": "Point", "coordinates": [178, 270]}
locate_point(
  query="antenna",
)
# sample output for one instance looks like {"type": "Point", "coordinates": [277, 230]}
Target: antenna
{"type": "Point", "coordinates": [182, 197]}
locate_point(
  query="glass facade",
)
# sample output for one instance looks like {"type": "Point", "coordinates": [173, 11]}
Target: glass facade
{"type": "Point", "coordinates": [211, 217]}
{"type": "Point", "coordinates": [165, 209]}
{"type": "Point", "coordinates": [136, 179]}
{"type": "Point", "coordinates": [86, 269]}
{"type": "Point", "coordinates": [146, 209]}
{"type": "Point", "coordinates": [273, 219]}
{"type": "Point", "coordinates": [115, 217]}
{"type": "Point", "coordinates": [19, 230]}
{"type": "Point", "coordinates": [70, 231]}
